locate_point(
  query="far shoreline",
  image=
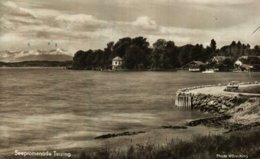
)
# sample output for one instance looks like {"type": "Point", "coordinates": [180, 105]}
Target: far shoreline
{"type": "Point", "coordinates": [64, 67]}
{"type": "Point", "coordinates": [89, 70]}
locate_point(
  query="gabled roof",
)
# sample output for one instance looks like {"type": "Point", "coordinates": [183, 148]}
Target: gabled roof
{"type": "Point", "coordinates": [117, 58]}
{"type": "Point", "coordinates": [222, 58]}
{"type": "Point", "coordinates": [249, 59]}
{"type": "Point", "coordinates": [197, 62]}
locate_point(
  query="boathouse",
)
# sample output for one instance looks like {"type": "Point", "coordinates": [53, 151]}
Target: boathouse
{"type": "Point", "coordinates": [196, 66]}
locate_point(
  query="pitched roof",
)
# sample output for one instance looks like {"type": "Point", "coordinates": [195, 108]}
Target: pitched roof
{"type": "Point", "coordinates": [222, 58]}
{"type": "Point", "coordinates": [198, 62]}
{"type": "Point", "coordinates": [117, 58]}
{"type": "Point", "coordinates": [250, 59]}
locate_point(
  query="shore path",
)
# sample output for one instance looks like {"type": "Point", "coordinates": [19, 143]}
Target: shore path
{"type": "Point", "coordinates": [219, 90]}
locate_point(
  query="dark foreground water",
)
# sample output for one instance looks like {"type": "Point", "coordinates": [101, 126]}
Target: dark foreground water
{"type": "Point", "coordinates": [43, 109]}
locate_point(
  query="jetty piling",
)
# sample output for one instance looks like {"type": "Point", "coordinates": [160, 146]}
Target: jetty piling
{"type": "Point", "coordinates": [184, 100]}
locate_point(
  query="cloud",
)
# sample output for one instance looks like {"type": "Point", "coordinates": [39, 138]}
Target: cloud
{"type": "Point", "coordinates": [168, 2]}
{"type": "Point", "coordinates": [183, 31]}
{"type": "Point", "coordinates": [21, 20]}
{"type": "Point", "coordinates": [79, 21]}
{"type": "Point", "coordinates": [46, 13]}
{"type": "Point", "coordinates": [145, 23]}
{"type": "Point", "coordinates": [8, 37]}
{"type": "Point", "coordinates": [91, 28]}
{"type": "Point", "coordinates": [12, 40]}
{"type": "Point", "coordinates": [218, 2]}
{"type": "Point", "coordinates": [6, 24]}
{"type": "Point", "coordinates": [223, 36]}
{"type": "Point", "coordinates": [14, 9]}
{"type": "Point", "coordinates": [13, 17]}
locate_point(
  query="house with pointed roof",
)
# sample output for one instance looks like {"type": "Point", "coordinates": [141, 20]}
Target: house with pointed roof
{"type": "Point", "coordinates": [219, 60]}
{"type": "Point", "coordinates": [248, 63]}
{"type": "Point", "coordinates": [117, 63]}
{"type": "Point", "coordinates": [196, 66]}
{"type": "Point", "coordinates": [221, 63]}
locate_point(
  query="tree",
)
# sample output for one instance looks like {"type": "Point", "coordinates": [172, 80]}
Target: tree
{"type": "Point", "coordinates": [171, 54]}
{"type": "Point", "coordinates": [78, 59]}
{"type": "Point", "coordinates": [97, 59]}
{"type": "Point", "coordinates": [227, 65]}
{"type": "Point", "coordinates": [162, 55]}
{"type": "Point", "coordinates": [108, 54]}
{"type": "Point", "coordinates": [186, 54]}
{"type": "Point", "coordinates": [137, 54]}
{"type": "Point", "coordinates": [213, 45]}
{"type": "Point", "coordinates": [133, 57]}
{"type": "Point", "coordinates": [159, 48]}
{"type": "Point", "coordinates": [257, 50]}
{"type": "Point", "coordinates": [89, 59]}
{"type": "Point", "coordinates": [120, 46]}
{"type": "Point", "coordinates": [233, 43]}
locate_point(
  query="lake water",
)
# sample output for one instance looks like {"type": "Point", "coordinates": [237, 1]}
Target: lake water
{"type": "Point", "coordinates": [43, 109]}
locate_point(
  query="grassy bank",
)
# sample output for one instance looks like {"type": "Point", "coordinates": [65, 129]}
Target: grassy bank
{"type": "Point", "coordinates": [208, 147]}
{"type": "Point", "coordinates": [250, 89]}
{"type": "Point", "coordinates": [200, 147]}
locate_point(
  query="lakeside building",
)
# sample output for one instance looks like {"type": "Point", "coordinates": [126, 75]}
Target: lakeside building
{"type": "Point", "coordinates": [219, 60]}
{"type": "Point", "coordinates": [117, 63]}
{"type": "Point", "coordinates": [221, 63]}
{"type": "Point", "coordinates": [196, 66]}
{"type": "Point", "coordinates": [248, 63]}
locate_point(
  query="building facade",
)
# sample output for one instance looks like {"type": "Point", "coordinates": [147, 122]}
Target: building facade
{"type": "Point", "coordinates": [196, 66]}
{"type": "Point", "coordinates": [248, 63]}
{"type": "Point", "coordinates": [117, 63]}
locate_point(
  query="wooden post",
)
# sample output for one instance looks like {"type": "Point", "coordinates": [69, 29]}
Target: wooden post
{"type": "Point", "coordinates": [184, 100]}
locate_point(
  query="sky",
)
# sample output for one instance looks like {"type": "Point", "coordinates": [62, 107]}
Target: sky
{"type": "Point", "coordinates": [90, 24]}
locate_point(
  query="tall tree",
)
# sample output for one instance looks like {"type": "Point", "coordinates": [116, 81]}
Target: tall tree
{"type": "Point", "coordinates": [159, 48]}
{"type": "Point", "coordinates": [121, 45]}
{"type": "Point", "coordinates": [78, 59]}
{"type": "Point", "coordinates": [137, 54]}
{"type": "Point", "coordinates": [213, 45]}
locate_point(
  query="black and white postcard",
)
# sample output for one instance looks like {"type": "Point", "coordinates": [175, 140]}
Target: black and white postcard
{"type": "Point", "coordinates": [129, 79]}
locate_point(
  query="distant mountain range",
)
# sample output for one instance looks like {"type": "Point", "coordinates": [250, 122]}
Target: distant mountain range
{"type": "Point", "coordinates": [66, 64]}
{"type": "Point", "coordinates": [35, 55]}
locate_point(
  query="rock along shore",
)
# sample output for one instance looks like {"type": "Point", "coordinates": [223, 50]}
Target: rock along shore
{"type": "Point", "coordinates": [212, 98]}
{"type": "Point", "coordinates": [234, 111]}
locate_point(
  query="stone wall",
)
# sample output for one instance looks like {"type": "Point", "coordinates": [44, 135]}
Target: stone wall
{"type": "Point", "coordinates": [215, 104]}
{"type": "Point", "coordinates": [206, 102]}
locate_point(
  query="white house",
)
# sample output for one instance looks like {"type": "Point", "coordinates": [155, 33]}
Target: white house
{"type": "Point", "coordinates": [117, 63]}
{"type": "Point", "coordinates": [238, 63]}
{"type": "Point", "coordinates": [248, 63]}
